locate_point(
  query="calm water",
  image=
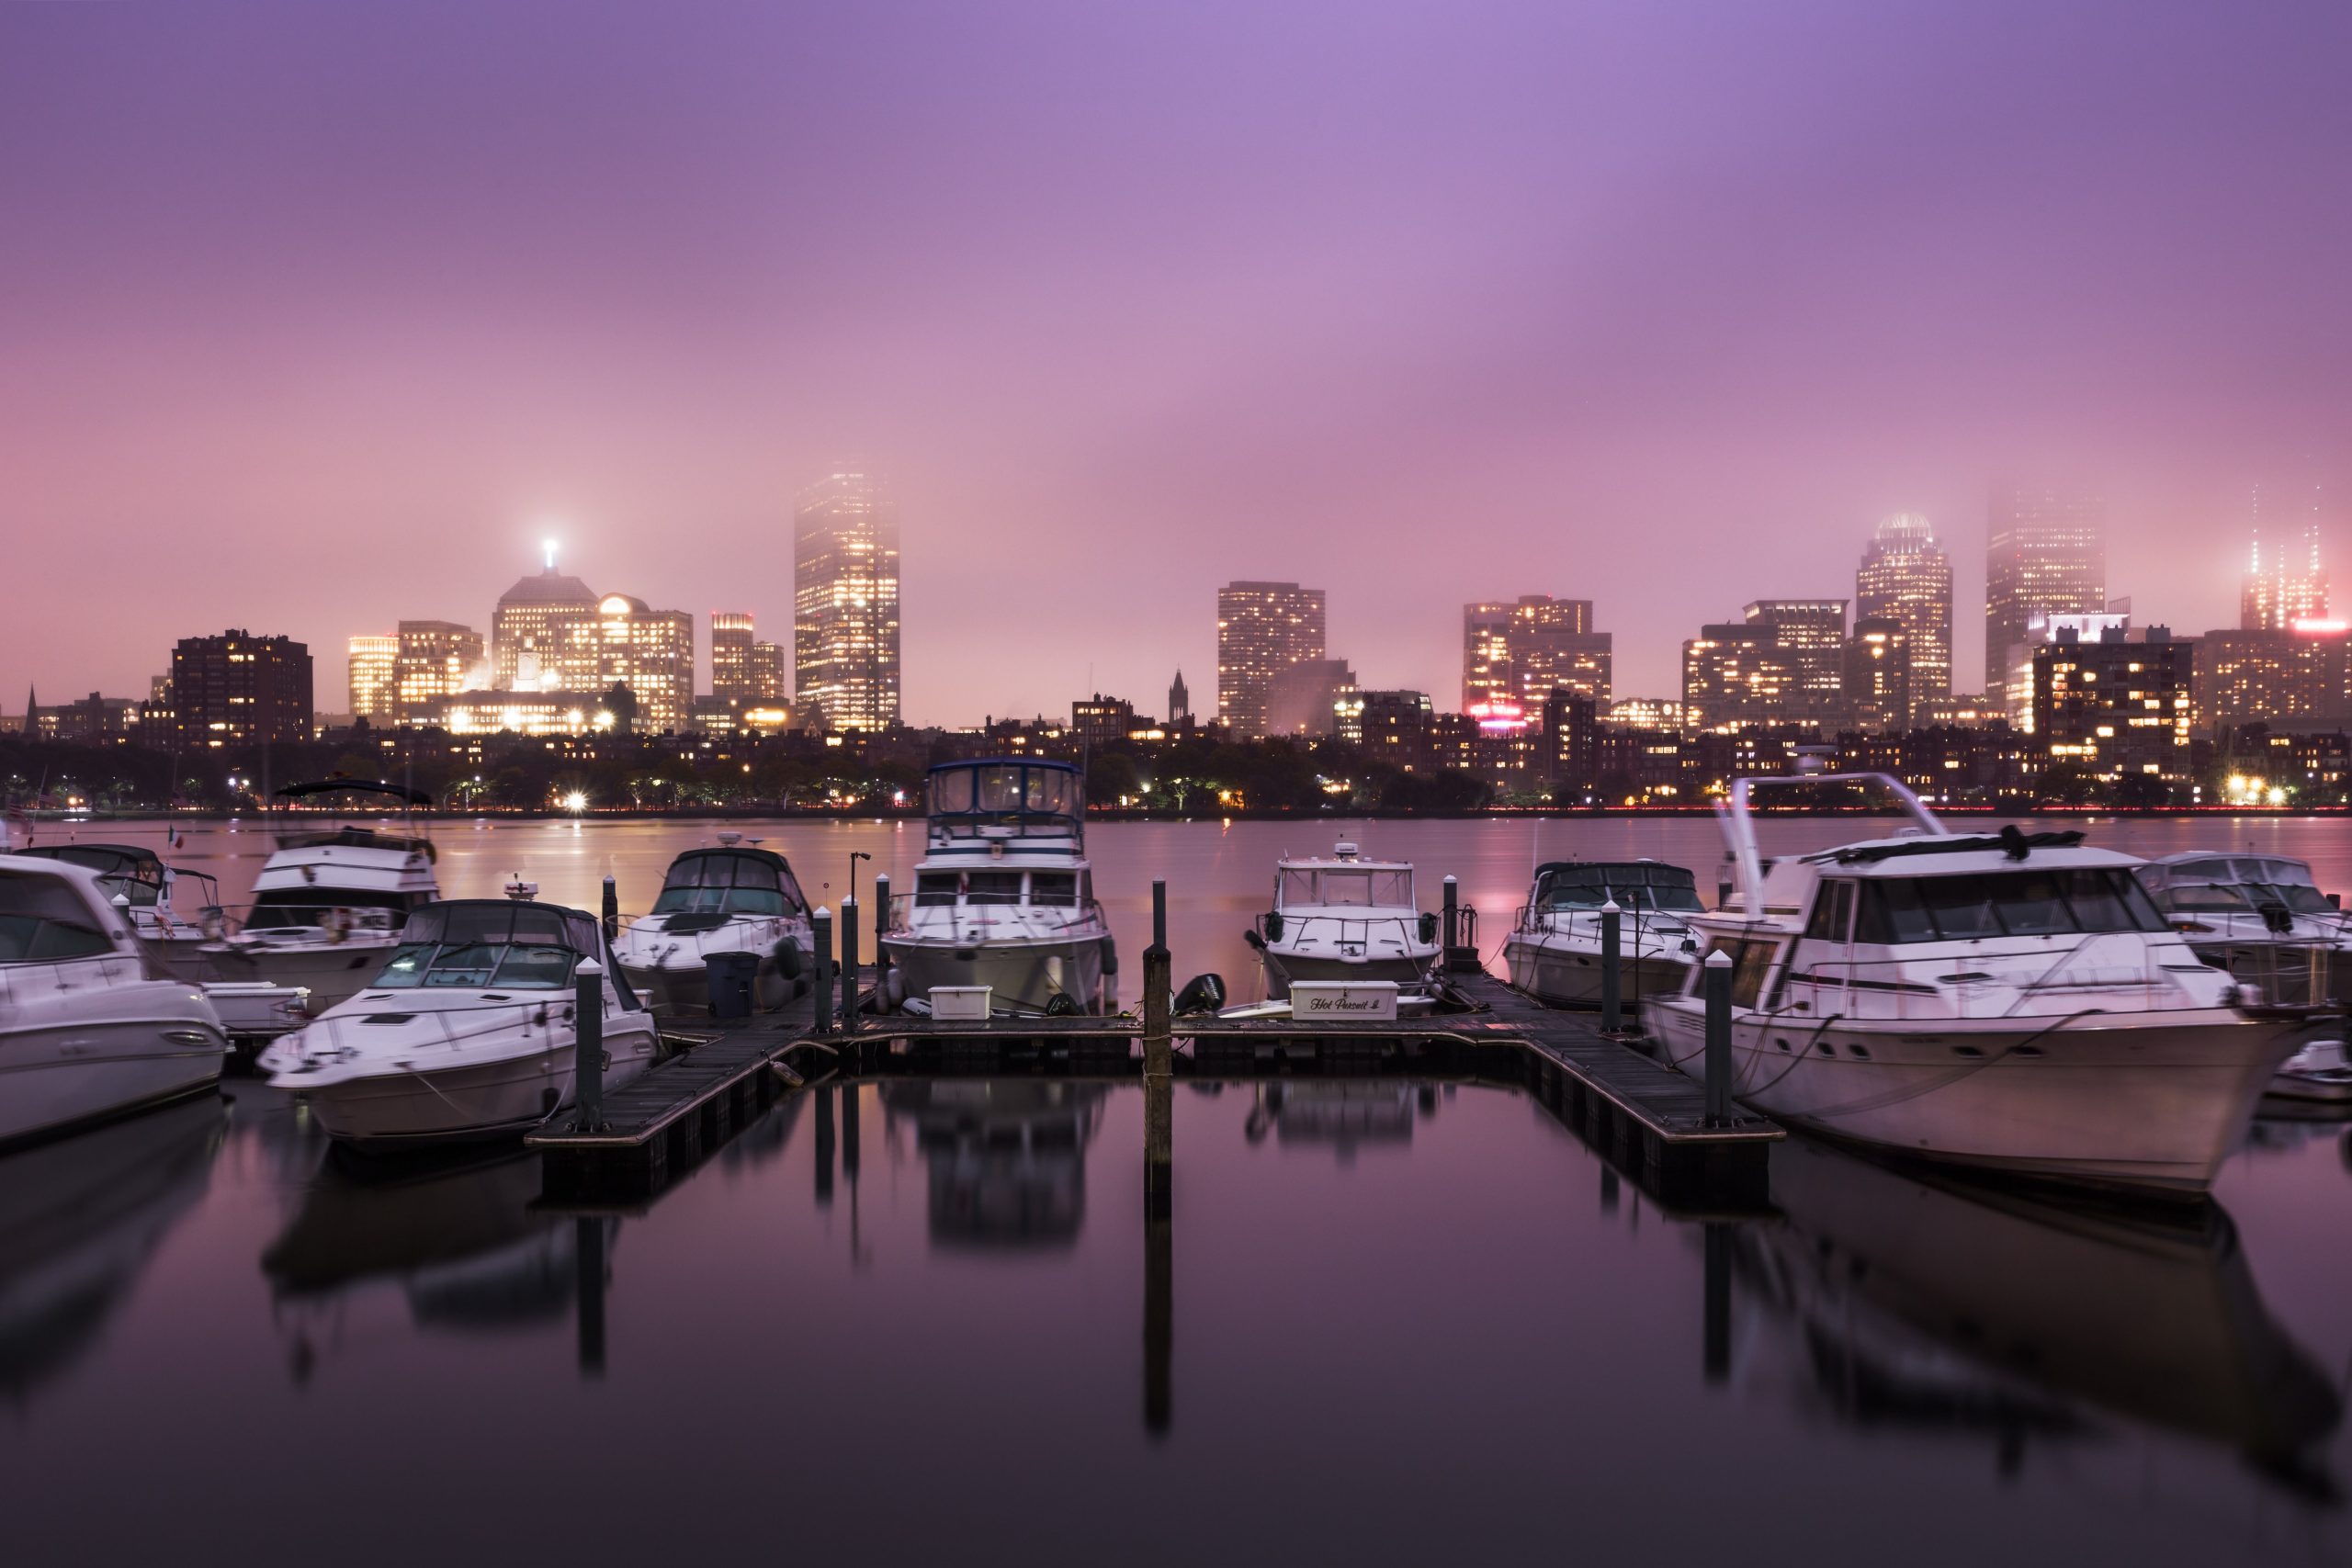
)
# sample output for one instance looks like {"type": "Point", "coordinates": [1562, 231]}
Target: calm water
{"type": "Point", "coordinates": [1404, 1323]}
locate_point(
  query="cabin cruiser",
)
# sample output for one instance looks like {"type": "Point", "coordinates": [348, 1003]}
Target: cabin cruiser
{"type": "Point", "coordinates": [327, 911]}
{"type": "Point", "coordinates": [88, 1031]}
{"type": "Point", "coordinates": [466, 1034]}
{"type": "Point", "coordinates": [1005, 896]}
{"type": "Point", "coordinates": [173, 935]}
{"type": "Point", "coordinates": [1346, 918]}
{"type": "Point", "coordinates": [729, 899]}
{"type": "Point", "coordinates": [1555, 945]}
{"type": "Point", "coordinates": [2264, 920]}
{"type": "Point", "coordinates": [2009, 1000]}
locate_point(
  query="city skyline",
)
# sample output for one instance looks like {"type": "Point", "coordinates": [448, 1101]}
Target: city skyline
{"type": "Point", "coordinates": [1121, 298]}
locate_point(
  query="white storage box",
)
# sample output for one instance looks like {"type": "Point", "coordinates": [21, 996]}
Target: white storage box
{"type": "Point", "coordinates": [959, 1001]}
{"type": "Point", "coordinates": [1342, 1001]}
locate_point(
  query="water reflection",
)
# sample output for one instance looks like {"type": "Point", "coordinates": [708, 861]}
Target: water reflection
{"type": "Point", "coordinates": [1006, 1161]}
{"type": "Point", "coordinates": [1930, 1303]}
{"type": "Point", "coordinates": [1345, 1114]}
{"type": "Point", "coordinates": [80, 1220]}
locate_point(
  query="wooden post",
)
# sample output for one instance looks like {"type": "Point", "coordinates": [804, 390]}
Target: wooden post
{"type": "Point", "coordinates": [1718, 1079]}
{"type": "Point", "coordinates": [881, 929]}
{"type": "Point", "coordinates": [1451, 925]}
{"type": "Point", "coordinates": [1158, 1064]}
{"type": "Point", "coordinates": [588, 1046]}
{"type": "Point", "coordinates": [849, 964]}
{"type": "Point", "coordinates": [612, 909]}
{"type": "Point", "coordinates": [1613, 1018]}
{"type": "Point", "coordinates": [821, 932]}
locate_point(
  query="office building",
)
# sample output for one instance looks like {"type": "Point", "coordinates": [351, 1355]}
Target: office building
{"type": "Point", "coordinates": [2295, 677]}
{"type": "Point", "coordinates": [1302, 697]}
{"type": "Point", "coordinates": [1523, 652]}
{"type": "Point", "coordinates": [374, 684]}
{"type": "Point", "coordinates": [2285, 584]}
{"type": "Point", "coordinates": [2115, 703]}
{"type": "Point", "coordinates": [845, 603]}
{"type": "Point", "coordinates": [1735, 677]}
{"type": "Point", "coordinates": [1261, 628]}
{"type": "Point", "coordinates": [1877, 686]}
{"type": "Point", "coordinates": [1100, 719]}
{"type": "Point", "coordinates": [522, 629]}
{"type": "Point", "coordinates": [236, 689]}
{"type": "Point", "coordinates": [625, 642]}
{"type": "Point", "coordinates": [437, 658]}
{"type": "Point", "coordinates": [1905, 577]}
{"type": "Point", "coordinates": [1811, 633]}
{"type": "Point", "coordinates": [1391, 725]}
{"type": "Point", "coordinates": [731, 674]}
{"type": "Point", "coordinates": [2046, 556]}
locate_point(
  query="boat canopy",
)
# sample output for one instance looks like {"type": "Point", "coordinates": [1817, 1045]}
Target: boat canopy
{"type": "Point", "coordinates": [733, 881]}
{"type": "Point", "coordinates": [353, 787]}
{"type": "Point", "coordinates": [1337, 886]}
{"type": "Point", "coordinates": [2200, 880]}
{"type": "Point", "coordinates": [1021, 794]}
{"type": "Point", "coordinates": [476, 944]}
{"type": "Point", "coordinates": [353, 838]}
{"type": "Point", "coordinates": [136, 873]}
{"type": "Point", "coordinates": [1633, 885]}
{"type": "Point", "coordinates": [503, 920]}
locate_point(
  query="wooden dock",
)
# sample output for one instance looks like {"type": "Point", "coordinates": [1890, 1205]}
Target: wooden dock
{"type": "Point", "coordinates": [1646, 1119]}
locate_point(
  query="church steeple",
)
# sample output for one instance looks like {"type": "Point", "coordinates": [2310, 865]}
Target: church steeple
{"type": "Point", "coordinates": [1179, 700]}
{"type": "Point", "coordinates": [32, 714]}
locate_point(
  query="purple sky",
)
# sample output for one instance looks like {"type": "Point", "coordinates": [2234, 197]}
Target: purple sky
{"type": "Point", "coordinates": [311, 316]}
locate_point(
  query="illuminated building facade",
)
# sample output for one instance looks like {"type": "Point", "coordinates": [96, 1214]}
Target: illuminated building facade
{"type": "Point", "coordinates": [730, 655]}
{"type": "Point", "coordinates": [2115, 704]}
{"type": "Point", "coordinates": [1523, 652]}
{"type": "Point", "coordinates": [2298, 676]}
{"type": "Point", "coordinates": [650, 651]}
{"type": "Point", "coordinates": [518, 713]}
{"type": "Point", "coordinates": [1811, 633]}
{"type": "Point", "coordinates": [238, 688]}
{"type": "Point", "coordinates": [524, 629]}
{"type": "Point", "coordinates": [1262, 628]}
{"type": "Point", "coordinates": [2047, 557]}
{"type": "Point", "coordinates": [2286, 585]}
{"type": "Point", "coordinates": [1099, 718]}
{"type": "Point", "coordinates": [1662, 714]}
{"type": "Point", "coordinates": [374, 665]}
{"type": "Point", "coordinates": [1735, 677]}
{"type": "Point", "coordinates": [1905, 577]}
{"type": "Point", "coordinates": [437, 658]}
{"type": "Point", "coordinates": [845, 603]}
{"type": "Point", "coordinates": [1393, 725]}
{"type": "Point", "coordinates": [1877, 688]}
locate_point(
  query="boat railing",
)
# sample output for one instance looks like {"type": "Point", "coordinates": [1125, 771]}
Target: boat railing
{"type": "Point", "coordinates": [1533, 919]}
{"type": "Point", "coordinates": [2008, 981]}
{"type": "Point", "coordinates": [1049, 918]}
{"type": "Point", "coordinates": [1348, 932]}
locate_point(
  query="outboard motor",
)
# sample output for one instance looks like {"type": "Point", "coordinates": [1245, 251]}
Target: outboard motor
{"type": "Point", "coordinates": [1201, 994]}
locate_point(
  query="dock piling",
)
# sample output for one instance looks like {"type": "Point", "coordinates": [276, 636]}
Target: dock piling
{"type": "Point", "coordinates": [588, 1046]}
{"type": "Point", "coordinates": [1718, 1063]}
{"type": "Point", "coordinates": [881, 929]}
{"type": "Point", "coordinates": [821, 931]}
{"type": "Point", "coordinates": [849, 964]}
{"type": "Point", "coordinates": [612, 909]}
{"type": "Point", "coordinates": [1451, 922]}
{"type": "Point", "coordinates": [1158, 1064]}
{"type": "Point", "coordinates": [1611, 981]}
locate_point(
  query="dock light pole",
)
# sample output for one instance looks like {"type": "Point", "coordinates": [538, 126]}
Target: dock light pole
{"type": "Point", "coordinates": [612, 909]}
{"type": "Point", "coordinates": [849, 964]}
{"type": "Point", "coordinates": [588, 1046]}
{"type": "Point", "coordinates": [854, 856]}
{"type": "Point", "coordinates": [1718, 1078]}
{"type": "Point", "coordinates": [1613, 1016]}
{"type": "Point", "coordinates": [821, 931]}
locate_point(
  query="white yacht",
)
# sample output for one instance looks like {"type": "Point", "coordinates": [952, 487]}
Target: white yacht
{"type": "Point", "coordinates": [327, 911]}
{"type": "Point", "coordinates": [2263, 918]}
{"type": "Point", "coordinates": [729, 899]}
{"type": "Point", "coordinates": [1346, 918]}
{"type": "Point", "coordinates": [172, 926]}
{"type": "Point", "coordinates": [466, 1034]}
{"type": "Point", "coordinates": [1005, 896]}
{"type": "Point", "coordinates": [2011, 1000]}
{"type": "Point", "coordinates": [1553, 950]}
{"type": "Point", "coordinates": [88, 1029]}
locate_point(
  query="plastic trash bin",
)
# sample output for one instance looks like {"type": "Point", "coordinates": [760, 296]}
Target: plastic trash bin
{"type": "Point", "coordinates": [733, 977]}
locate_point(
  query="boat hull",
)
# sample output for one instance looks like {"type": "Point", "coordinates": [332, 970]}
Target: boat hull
{"type": "Point", "coordinates": [60, 1076]}
{"type": "Point", "coordinates": [1021, 977]}
{"type": "Point", "coordinates": [2150, 1102]}
{"type": "Point", "coordinates": [392, 1108]}
{"type": "Point", "coordinates": [1284, 970]}
{"type": "Point", "coordinates": [332, 972]}
{"type": "Point", "coordinates": [1568, 975]}
{"type": "Point", "coordinates": [685, 987]}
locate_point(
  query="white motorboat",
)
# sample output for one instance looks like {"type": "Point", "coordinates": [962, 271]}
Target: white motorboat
{"type": "Point", "coordinates": [1005, 896]}
{"type": "Point", "coordinates": [468, 1033]}
{"type": "Point", "coordinates": [88, 1029]}
{"type": "Point", "coordinates": [171, 928]}
{"type": "Point", "coordinates": [2014, 1001]}
{"type": "Point", "coordinates": [734, 898]}
{"type": "Point", "coordinates": [2264, 920]}
{"type": "Point", "coordinates": [1553, 950]}
{"type": "Point", "coordinates": [1346, 918]}
{"type": "Point", "coordinates": [327, 912]}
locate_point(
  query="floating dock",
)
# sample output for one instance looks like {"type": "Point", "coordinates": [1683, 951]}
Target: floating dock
{"type": "Point", "coordinates": [1647, 1120]}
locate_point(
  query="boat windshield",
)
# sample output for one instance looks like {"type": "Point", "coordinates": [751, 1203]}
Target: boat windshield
{"type": "Point", "coordinates": [729, 882]}
{"type": "Point", "coordinates": [480, 944]}
{"type": "Point", "coordinates": [293, 908]}
{"type": "Point", "coordinates": [1025, 796]}
{"type": "Point", "coordinates": [1346, 887]}
{"type": "Point", "coordinates": [41, 922]}
{"type": "Point", "coordinates": [1896, 910]}
{"type": "Point", "coordinates": [2236, 884]}
{"type": "Point", "coordinates": [1632, 886]}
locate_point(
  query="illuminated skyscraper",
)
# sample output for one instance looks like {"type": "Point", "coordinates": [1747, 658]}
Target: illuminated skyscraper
{"type": "Point", "coordinates": [731, 674]}
{"type": "Point", "coordinates": [2046, 556]}
{"type": "Point", "coordinates": [237, 688]}
{"type": "Point", "coordinates": [650, 651]}
{"type": "Point", "coordinates": [1906, 578]}
{"type": "Point", "coordinates": [1878, 675]}
{"type": "Point", "coordinates": [1811, 633]}
{"type": "Point", "coordinates": [845, 603]}
{"type": "Point", "coordinates": [522, 629]}
{"type": "Point", "coordinates": [1517, 653]}
{"type": "Point", "coordinates": [437, 658]}
{"type": "Point", "coordinates": [374, 663]}
{"type": "Point", "coordinates": [1735, 677]}
{"type": "Point", "coordinates": [2286, 584]}
{"type": "Point", "coordinates": [1261, 628]}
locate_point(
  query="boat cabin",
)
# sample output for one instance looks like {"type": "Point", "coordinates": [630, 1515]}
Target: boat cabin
{"type": "Point", "coordinates": [709, 885]}
{"type": "Point", "coordinates": [1344, 881]}
{"type": "Point", "coordinates": [138, 874]}
{"type": "Point", "coordinates": [998, 804]}
{"type": "Point", "coordinates": [1038, 889]}
{"type": "Point", "coordinates": [492, 943]}
{"type": "Point", "coordinates": [2200, 882]}
{"type": "Point", "coordinates": [50, 914]}
{"type": "Point", "coordinates": [1633, 886]}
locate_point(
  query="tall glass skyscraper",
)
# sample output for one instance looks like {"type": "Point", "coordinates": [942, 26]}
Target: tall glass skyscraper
{"type": "Point", "coordinates": [846, 601]}
{"type": "Point", "coordinates": [1261, 628]}
{"type": "Point", "coordinates": [2046, 556]}
{"type": "Point", "coordinates": [2285, 584]}
{"type": "Point", "coordinates": [1906, 578]}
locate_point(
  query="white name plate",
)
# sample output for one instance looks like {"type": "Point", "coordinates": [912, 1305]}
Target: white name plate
{"type": "Point", "coordinates": [1343, 1000]}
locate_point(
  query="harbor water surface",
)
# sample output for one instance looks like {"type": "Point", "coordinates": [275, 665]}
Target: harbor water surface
{"type": "Point", "coordinates": [1394, 1321]}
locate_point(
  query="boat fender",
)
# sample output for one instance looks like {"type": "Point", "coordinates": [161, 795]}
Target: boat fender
{"type": "Point", "coordinates": [1109, 958]}
{"type": "Point", "coordinates": [1429, 926]}
{"type": "Point", "coordinates": [1274, 925]}
{"type": "Point", "coordinates": [894, 991]}
{"type": "Point", "coordinates": [788, 958]}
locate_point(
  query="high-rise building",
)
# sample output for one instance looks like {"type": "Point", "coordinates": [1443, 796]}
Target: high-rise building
{"type": "Point", "coordinates": [1878, 675]}
{"type": "Point", "coordinates": [2046, 556]}
{"type": "Point", "coordinates": [625, 642]}
{"type": "Point", "coordinates": [1812, 632]}
{"type": "Point", "coordinates": [2286, 584]}
{"type": "Point", "coordinates": [770, 673]}
{"type": "Point", "coordinates": [1735, 677]}
{"type": "Point", "coordinates": [2299, 678]}
{"type": "Point", "coordinates": [375, 663]}
{"type": "Point", "coordinates": [1302, 697]}
{"type": "Point", "coordinates": [1261, 628]}
{"type": "Point", "coordinates": [1905, 577]}
{"type": "Point", "coordinates": [1391, 725]}
{"type": "Point", "coordinates": [846, 601]}
{"type": "Point", "coordinates": [731, 642]}
{"type": "Point", "coordinates": [437, 658]}
{"type": "Point", "coordinates": [238, 688]}
{"type": "Point", "coordinates": [2116, 703]}
{"type": "Point", "coordinates": [522, 629]}
{"type": "Point", "coordinates": [1524, 652]}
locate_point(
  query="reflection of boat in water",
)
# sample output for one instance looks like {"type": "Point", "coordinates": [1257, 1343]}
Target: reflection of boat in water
{"type": "Point", "coordinates": [80, 1218]}
{"type": "Point", "coordinates": [1007, 1160]}
{"type": "Point", "coordinates": [1343, 1113]}
{"type": "Point", "coordinates": [1927, 1300]}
